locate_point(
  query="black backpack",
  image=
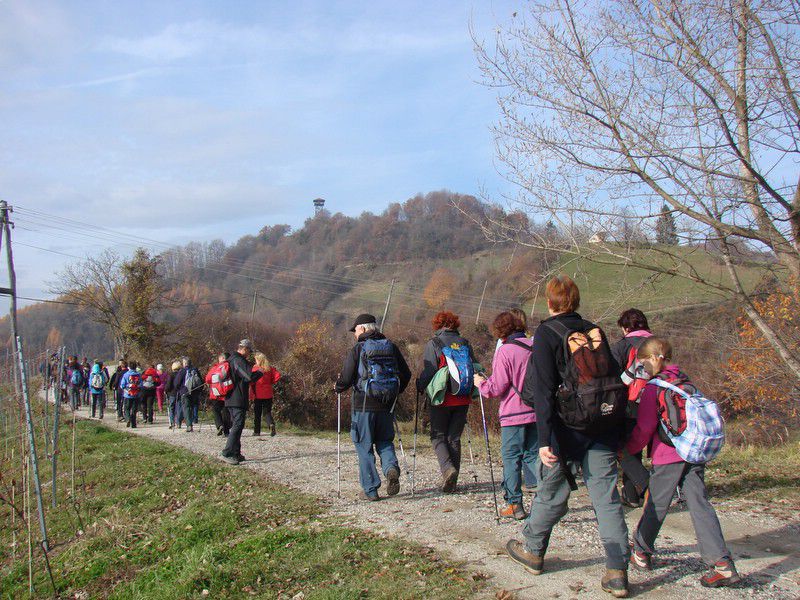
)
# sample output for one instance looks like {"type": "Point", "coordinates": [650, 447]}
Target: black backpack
{"type": "Point", "coordinates": [591, 398]}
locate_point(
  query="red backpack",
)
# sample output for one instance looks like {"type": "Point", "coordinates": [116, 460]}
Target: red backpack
{"type": "Point", "coordinates": [221, 382]}
{"type": "Point", "coordinates": [632, 375]}
{"type": "Point", "coordinates": [132, 387]}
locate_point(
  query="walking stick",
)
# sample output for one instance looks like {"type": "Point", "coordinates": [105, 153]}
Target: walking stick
{"type": "Point", "coordinates": [489, 457]}
{"type": "Point", "coordinates": [471, 455]}
{"type": "Point", "coordinates": [338, 444]}
{"type": "Point", "coordinates": [400, 440]}
{"type": "Point", "coordinates": [414, 453]}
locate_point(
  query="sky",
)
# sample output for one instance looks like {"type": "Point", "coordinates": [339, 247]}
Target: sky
{"type": "Point", "coordinates": [182, 121]}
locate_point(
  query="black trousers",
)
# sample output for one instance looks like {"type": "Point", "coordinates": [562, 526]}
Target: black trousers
{"type": "Point", "coordinates": [259, 407]}
{"type": "Point", "coordinates": [447, 425]}
{"type": "Point", "coordinates": [222, 419]}
{"type": "Point", "coordinates": [233, 447]}
{"type": "Point", "coordinates": [131, 406]}
{"type": "Point", "coordinates": [147, 401]}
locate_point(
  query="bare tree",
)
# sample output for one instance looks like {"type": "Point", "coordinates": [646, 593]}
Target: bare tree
{"type": "Point", "coordinates": [628, 106]}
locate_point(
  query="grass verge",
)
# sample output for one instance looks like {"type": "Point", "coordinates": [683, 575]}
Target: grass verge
{"type": "Point", "coordinates": [158, 521]}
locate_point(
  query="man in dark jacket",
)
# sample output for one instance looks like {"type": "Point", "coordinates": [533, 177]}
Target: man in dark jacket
{"type": "Point", "coordinates": [372, 425]}
{"type": "Point", "coordinates": [560, 447]}
{"type": "Point", "coordinates": [237, 399]}
{"type": "Point", "coordinates": [113, 385]}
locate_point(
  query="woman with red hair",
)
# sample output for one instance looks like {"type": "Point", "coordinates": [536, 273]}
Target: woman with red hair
{"type": "Point", "coordinates": [448, 418]}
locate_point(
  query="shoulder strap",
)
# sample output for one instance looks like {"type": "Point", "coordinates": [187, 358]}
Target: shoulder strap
{"type": "Point", "coordinates": [521, 345]}
{"type": "Point", "coordinates": [668, 386]}
{"type": "Point", "coordinates": [558, 327]}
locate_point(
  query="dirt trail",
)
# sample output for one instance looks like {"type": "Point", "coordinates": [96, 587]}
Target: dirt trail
{"type": "Point", "coordinates": [462, 527]}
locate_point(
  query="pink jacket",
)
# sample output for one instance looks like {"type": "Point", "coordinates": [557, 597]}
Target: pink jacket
{"type": "Point", "coordinates": [508, 368]}
{"type": "Point", "coordinates": [645, 433]}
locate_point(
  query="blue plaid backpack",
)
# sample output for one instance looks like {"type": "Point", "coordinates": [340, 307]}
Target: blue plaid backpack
{"type": "Point", "coordinates": [378, 372]}
{"type": "Point", "coordinates": [690, 422]}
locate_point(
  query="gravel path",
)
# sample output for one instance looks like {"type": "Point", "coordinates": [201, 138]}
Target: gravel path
{"type": "Point", "coordinates": [462, 527]}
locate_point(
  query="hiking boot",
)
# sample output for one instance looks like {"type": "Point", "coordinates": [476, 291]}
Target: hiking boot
{"type": "Point", "coordinates": [241, 458]}
{"type": "Point", "coordinates": [229, 459]}
{"type": "Point", "coordinates": [722, 574]}
{"type": "Point", "coordinates": [371, 497]}
{"type": "Point", "coordinates": [127, 424]}
{"type": "Point", "coordinates": [219, 430]}
{"type": "Point", "coordinates": [641, 560]}
{"type": "Point", "coordinates": [393, 481]}
{"type": "Point", "coordinates": [449, 480]}
{"type": "Point", "coordinates": [189, 428]}
{"type": "Point", "coordinates": [256, 434]}
{"type": "Point", "coordinates": [513, 511]}
{"type": "Point", "coordinates": [272, 430]}
{"type": "Point", "coordinates": [615, 582]}
{"type": "Point", "coordinates": [533, 563]}
{"type": "Point", "coordinates": [172, 426]}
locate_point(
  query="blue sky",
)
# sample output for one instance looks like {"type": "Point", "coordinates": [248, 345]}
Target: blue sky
{"type": "Point", "coordinates": [189, 121]}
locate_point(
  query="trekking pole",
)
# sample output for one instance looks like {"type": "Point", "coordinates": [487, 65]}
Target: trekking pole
{"type": "Point", "coordinates": [400, 441]}
{"type": "Point", "coordinates": [471, 455]}
{"type": "Point", "coordinates": [414, 452]}
{"type": "Point", "coordinates": [489, 457]}
{"type": "Point", "coordinates": [338, 444]}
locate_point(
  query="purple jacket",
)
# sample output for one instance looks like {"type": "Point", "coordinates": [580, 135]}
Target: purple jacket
{"type": "Point", "coordinates": [647, 423]}
{"type": "Point", "coordinates": [508, 372]}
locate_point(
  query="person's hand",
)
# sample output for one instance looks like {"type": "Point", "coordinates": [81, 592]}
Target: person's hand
{"type": "Point", "coordinates": [549, 459]}
{"type": "Point", "coordinates": [478, 379]}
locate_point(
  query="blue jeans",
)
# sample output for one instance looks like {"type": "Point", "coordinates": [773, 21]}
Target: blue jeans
{"type": "Point", "coordinates": [520, 446]}
{"type": "Point", "coordinates": [368, 430]}
{"type": "Point", "coordinates": [550, 505]}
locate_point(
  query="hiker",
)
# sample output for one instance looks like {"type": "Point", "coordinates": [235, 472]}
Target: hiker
{"type": "Point", "coordinates": [448, 414]}
{"type": "Point", "coordinates": [519, 438]}
{"type": "Point", "coordinates": [75, 382]}
{"type": "Point", "coordinates": [131, 386]}
{"type": "Point", "coordinates": [372, 417]}
{"type": "Point", "coordinates": [570, 351]}
{"type": "Point", "coordinates": [670, 470]}
{"type": "Point", "coordinates": [635, 330]}
{"type": "Point", "coordinates": [242, 375]}
{"type": "Point", "coordinates": [219, 383]}
{"type": "Point", "coordinates": [173, 384]}
{"type": "Point", "coordinates": [189, 392]}
{"type": "Point", "coordinates": [113, 385]}
{"type": "Point", "coordinates": [97, 383]}
{"type": "Point", "coordinates": [86, 370]}
{"type": "Point", "coordinates": [162, 383]}
{"type": "Point", "coordinates": [261, 393]}
{"type": "Point", "coordinates": [150, 381]}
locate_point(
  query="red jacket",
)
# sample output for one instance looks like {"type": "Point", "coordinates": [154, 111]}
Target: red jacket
{"type": "Point", "coordinates": [154, 374]}
{"type": "Point", "coordinates": [261, 389]}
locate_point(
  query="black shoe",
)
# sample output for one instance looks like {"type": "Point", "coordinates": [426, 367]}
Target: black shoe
{"type": "Point", "coordinates": [229, 459]}
{"type": "Point", "coordinates": [272, 430]}
{"type": "Point", "coordinates": [127, 424]}
{"type": "Point", "coordinates": [256, 434]}
{"type": "Point", "coordinates": [393, 481]}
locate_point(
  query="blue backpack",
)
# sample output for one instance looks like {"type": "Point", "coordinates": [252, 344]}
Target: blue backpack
{"type": "Point", "coordinates": [377, 372]}
{"type": "Point", "coordinates": [459, 364]}
{"type": "Point", "coordinates": [76, 379]}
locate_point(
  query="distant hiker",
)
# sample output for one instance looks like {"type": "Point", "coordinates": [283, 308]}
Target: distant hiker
{"type": "Point", "coordinates": [97, 384]}
{"type": "Point", "coordinates": [378, 374]}
{"type": "Point", "coordinates": [150, 381]}
{"type": "Point", "coordinates": [572, 382]}
{"type": "Point", "coordinates": [447, 355]}
{"type": "Point", "coordinates": [115, 388]}
{"type": "Point", "coordinates": [236, 401]}
{"type": "Point", "coordinates": [86, 370]}
{"type": "Point", "coordinates": [189, 392]}
{"type": "Point", "coordinates": [131, 385]}
{"type": "Point", "coordinates": [520, 440]}
{"type": "Point", "coordinates": [261, 393]}
{"type": "Point", "coordinates": [635, 330]}
{"type": "Point", "coordinates": [171, 388]}
{"type": "Point", "coordinates": [162, 383]}
{"type": "Point", "coordinates": [75, 382]}
{"type": "Point", "coordinates": [658, 407]}
{"type": "Point", "coordinates": [219, 383]}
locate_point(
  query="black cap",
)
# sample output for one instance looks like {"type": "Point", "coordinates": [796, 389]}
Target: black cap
{"type": "Point", "coordinates": [363, 319]}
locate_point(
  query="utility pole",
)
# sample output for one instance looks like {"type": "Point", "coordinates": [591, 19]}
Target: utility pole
{"type": "Point", "coordinates": [386, 308]}
{"type": "Point", "coordinates": [480, 304]}
{"type": "Point", "coordinates": [57, 408]}
{"type": "Point", "coordinates": [11, 291]}
{"type": "Point", "coordinates": [252, 313]}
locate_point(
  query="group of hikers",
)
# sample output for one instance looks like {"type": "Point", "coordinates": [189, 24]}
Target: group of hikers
{"type": "Point", "coordinates": [570, 403]}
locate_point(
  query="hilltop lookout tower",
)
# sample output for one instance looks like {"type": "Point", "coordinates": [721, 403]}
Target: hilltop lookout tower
{"type": "Point", "coordinates": [319, 206]}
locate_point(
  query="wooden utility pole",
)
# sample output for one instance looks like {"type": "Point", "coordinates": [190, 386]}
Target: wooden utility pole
{"type": "Point", "coordinates": [252, 313]}
{"type": "Point", "coordinates": [386, 308]}
{"type": "Point", "coordinates": [480, 304]}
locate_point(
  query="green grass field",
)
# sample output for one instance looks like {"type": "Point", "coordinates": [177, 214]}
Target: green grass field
{"type": "Point", "coordinates": [154, 521]}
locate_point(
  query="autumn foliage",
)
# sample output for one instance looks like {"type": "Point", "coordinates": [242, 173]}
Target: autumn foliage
{"type": "Point", "coordinates": [762, 394]}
